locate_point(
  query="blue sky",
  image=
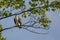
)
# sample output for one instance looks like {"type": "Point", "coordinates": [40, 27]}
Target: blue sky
{"type": "Point", "coordinates": [21, 34]}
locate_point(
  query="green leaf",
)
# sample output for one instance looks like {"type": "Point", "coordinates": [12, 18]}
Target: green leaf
{"type": "Point", "coordinates": [16, 5]}
{"type": "Point", "coordinates": [33, 4]}
{"type": "Point", "coordinates": [34, 0]}
{"type": "Point", "coordinates": [33, 11]}
{"type": "Point", "coordinates": [41, 20]}
{"type": "Point", "coordinates": [45, 20]}
{"type": "Point", "coordinates": [42, 11]}
{"type": "Point", "coordinates": [5, 14]}
{"type": "Point", "coordinates": [53, 9]}
{"type": "Point", "coordinates": [0, 30]}
{"type": "Point", "coordinates": [45, 24]}
{"type": "Point", "coordinates": [47, 2]}
{"type": "Point", "coordinates": [48, 20]}
{"type": "Point", "coordinates": [10, 14]}
{"type": "Point", "coordinates": [19, 0]}
{"type": "Point", "coordinates": [9, 3]}
{"type": "Point", "coordinates": [55, 4]}
{"type": "Point", "coordinates": [24, 15]}
{"type": "Point", "coordinates": [1, 27]}
{"type": "Point", "coordinates": [3, 38]}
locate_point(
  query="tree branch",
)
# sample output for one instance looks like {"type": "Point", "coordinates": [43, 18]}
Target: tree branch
{"type": "Point", "coordinates": [21, 12]}
{"type": "Point", "coordinates": [7, 28]}
{"type": "Point", "coordinates": [25, 26]}
{"type": "Point", "coordinates": [34, 31]}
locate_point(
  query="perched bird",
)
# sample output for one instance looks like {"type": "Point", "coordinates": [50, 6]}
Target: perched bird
{"type": "Point", "coordinates": [17, 21]}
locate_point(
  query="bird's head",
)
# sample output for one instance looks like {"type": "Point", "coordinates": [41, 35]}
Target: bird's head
{"type": "Point", "coordinates": [16, 16]}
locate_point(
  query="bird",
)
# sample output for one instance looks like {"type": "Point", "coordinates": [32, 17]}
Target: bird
{"type": "Point", "coordinates": [17, 21]}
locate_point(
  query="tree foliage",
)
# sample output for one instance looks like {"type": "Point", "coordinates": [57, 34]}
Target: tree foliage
{"type": "Point", "coordinates": [1, 38]}
{"type": "Point", "coordinates": [36, 7]}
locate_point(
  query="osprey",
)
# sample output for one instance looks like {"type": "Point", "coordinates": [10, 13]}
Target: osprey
{"type": "Point", "coordinates": [17, 21]}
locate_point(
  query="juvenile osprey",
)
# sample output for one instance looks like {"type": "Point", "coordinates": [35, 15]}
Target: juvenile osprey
{"type": "Point", "coordinates": [17, 21]}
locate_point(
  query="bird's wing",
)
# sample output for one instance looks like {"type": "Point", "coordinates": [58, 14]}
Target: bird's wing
{"type": "Point", "coordinates": [19, 21]}
{"type": "Point", "coordinates": [14, 20]}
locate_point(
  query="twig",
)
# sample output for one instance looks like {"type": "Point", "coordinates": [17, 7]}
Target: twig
{"type": "Point", "coordinates": [34, 31]}
{"type": "Point", "coordinates": [35, 27]}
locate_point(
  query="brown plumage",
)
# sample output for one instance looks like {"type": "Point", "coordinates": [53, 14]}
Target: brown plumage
{"type": "Point", "coordinates": [17, 21]}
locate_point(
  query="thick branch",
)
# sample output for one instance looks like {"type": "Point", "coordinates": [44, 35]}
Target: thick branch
{"type": "Point", "coordinates": [14, 27]}
{"type": "Point", "coordinates": [22, 12]}
{"type": "Point", "coordinates": [7, 28]}
{"type": "Point", "coordinates": [24, 26]}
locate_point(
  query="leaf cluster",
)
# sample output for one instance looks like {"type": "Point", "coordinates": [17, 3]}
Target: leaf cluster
{"type": "Point", "coordinates": [1, 38]}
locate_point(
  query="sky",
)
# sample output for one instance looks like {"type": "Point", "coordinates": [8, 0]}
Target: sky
{"type": "Point", "coordinates": [21, 34]}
